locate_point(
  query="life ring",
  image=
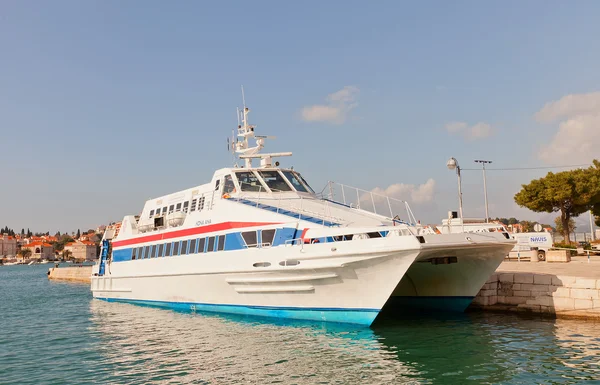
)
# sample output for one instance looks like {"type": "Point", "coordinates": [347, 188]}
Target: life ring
{"type": "Point", "coordinates": [314, 240]}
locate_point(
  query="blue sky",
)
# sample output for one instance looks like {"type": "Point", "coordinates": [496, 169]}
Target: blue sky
{"type": "Point", "coordinates": [104, 104]}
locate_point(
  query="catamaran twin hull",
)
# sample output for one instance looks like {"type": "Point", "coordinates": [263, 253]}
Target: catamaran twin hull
{"type": "Point", "coordinates": [344, 281]}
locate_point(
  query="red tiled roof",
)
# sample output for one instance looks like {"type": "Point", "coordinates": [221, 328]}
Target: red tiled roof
{"type": "Point", "coordinates": [37, 243]}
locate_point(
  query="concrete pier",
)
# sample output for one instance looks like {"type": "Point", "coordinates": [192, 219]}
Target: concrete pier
{"type": "Point", "coordinates": [71, 273]}
{"type": "Point", "coordinates": [570, 289]}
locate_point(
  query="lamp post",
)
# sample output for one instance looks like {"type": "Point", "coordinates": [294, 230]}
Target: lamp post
{"type": "Point", "coordinates": [483, 162]}
{"type": "Point", "coordinates": [453, 164]}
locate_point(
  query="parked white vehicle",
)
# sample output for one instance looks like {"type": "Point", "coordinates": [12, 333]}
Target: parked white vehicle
{"type": "Point", "coordinates": [527, 241]}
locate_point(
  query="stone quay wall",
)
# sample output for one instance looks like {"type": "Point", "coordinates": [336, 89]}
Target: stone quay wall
{"type": "Point", "coordinates": [559, 296]}
{"type": "Point", "coordinates": [71, 273]}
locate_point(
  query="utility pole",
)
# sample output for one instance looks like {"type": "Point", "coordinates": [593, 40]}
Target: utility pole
{"type": "Point", "coordinates": [483, 163]}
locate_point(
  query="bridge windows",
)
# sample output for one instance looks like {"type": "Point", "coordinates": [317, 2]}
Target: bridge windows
{"type": "Point", "coordinates": [193, 206]}
{"type": "Point", "coordinates": [178, 208]}
{"type": "Point", "coordinates": [248, 181]}
{"type": "Point", "coordinates": [291, 177]}
{"type": "Point", "coordinates": [185, 206]}
{"type": "Point", "coordinates": [201, 204]}
{"type": "Point", "coordinates": [275, 181]}
{"type": "Point", "coordinates": [228, 186]}
{"type": "Point", "coordinates": [151, 213]}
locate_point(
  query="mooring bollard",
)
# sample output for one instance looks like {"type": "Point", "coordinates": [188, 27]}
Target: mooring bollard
{"type": "Point", "coordinates": [588, 256]}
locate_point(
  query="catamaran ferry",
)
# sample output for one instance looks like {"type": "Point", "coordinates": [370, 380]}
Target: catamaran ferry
{"type": "Point", "coordinates": [258, 240]}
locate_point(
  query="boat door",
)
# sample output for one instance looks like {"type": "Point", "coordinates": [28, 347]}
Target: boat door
{"type": "Point", "coordinates": [104, 256]}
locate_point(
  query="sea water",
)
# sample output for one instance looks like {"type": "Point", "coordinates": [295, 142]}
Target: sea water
{"type": "Point", "coordinates": [55, 333]}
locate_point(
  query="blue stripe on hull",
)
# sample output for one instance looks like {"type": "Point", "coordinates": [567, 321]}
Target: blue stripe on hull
{"type": "Point", "coordinates": [453, 304]}
{"type": "Point", "coordinates": [359, 316]}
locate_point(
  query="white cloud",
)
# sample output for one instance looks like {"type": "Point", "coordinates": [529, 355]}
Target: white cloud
{"type": "Point", "coordinates": [456, 126]}
{"type": "Point", "coordinates": [337, 108]}
{"type": "Point", "coordinates": [569, 106]}
{"type": "Point", "coordinates": [480, 130]}
{"type": "Point", "coordinates": [578, 137]}
{"type": "Point", "coordinates": [422, 193]}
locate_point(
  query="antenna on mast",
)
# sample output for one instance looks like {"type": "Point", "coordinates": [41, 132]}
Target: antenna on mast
{"type": "Point", "coordinates": [243, 98]}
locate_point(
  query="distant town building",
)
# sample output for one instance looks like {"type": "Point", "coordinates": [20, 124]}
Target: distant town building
{"type": "Point", "coordinates": [40, 250]}
{"type": "Point", "coordinates": [8, 246]}
{"type": "Point", "coordinates": [82, 250]}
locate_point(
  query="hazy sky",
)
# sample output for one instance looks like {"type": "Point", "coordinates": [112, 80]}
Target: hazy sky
{"type": "Point", "coordinates": [104, 104]}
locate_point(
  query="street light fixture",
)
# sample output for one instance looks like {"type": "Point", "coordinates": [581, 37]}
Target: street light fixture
{"type": "Point", "coordinates": [483, 162]}
{"type": "Point", "coordinates": [452, 164]}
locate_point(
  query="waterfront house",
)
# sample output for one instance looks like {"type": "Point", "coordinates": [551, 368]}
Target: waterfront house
{"type": "Point", "coordinates": [40, 250]}
{"type": "Point", "coordinates": [8, 246]}
{"type": "Point", "coordinates": [82, 250]}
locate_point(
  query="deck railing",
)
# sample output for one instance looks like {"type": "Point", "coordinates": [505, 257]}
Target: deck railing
{"type": "Point", "coordinates": [368, 201]}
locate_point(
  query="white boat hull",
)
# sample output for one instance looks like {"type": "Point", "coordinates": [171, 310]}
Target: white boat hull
{"type": "Point", "coordinates": [449, 287]}
{"type": "Point", "coordinates": [348, 289]}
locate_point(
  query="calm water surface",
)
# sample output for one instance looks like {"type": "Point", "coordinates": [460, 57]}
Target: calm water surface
{"type": "Point", "coordinates": [54, 333]}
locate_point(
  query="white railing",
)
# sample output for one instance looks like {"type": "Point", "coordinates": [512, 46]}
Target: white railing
{"type": "Point", "coordinates": [294, 204]}
{"type": "Point", "coordinates": [366, 200]}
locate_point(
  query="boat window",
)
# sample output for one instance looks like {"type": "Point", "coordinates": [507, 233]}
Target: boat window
{"type": "Point", "coordinates": [192, 246]}
{"type": "Point", "coordinates": [146, 252]}
{"type": "Point", "coordinates": [201, 204]}
{"type": "Point", "coordinates": [201, 243]}
{"type": "Point", "coordinates": [185, 206]}
{"type": "Point", "coordinates": [304, 181]}
{"type": "Point", "coordinates": [221, 243]}
{"type": "Point", "coordinates": [133, 253]}
{"type": "Point", "coordinates": [294, 181]}
{"type": "Point", "coordinates": [249, 182]}
{"type": "Point", "coordinates": [178, 208]}
{"type": "Point", "coordinates": [211, 244]}
{"type": "Point", "coordinates": [228, 186]}
{"type": "Point", "coordinates": [217, 184]}
{"type": "Point", "coordinates": [267, 237]}
{"type": "Point", "coordinates": [184, 247]}
{"type": "Point", "coordinates": [160, 250]}
{"type": "Point", "coordinates": [275, 181]}
{"type": "Point", "coordinates": [164, 210]}
{"type": "Point", "coordinates": [168, 250]}
{"type": "Point", "coordinates": [151, 213]}
{"type": "Point", "coordinates": [139, 252]}
{"type": "Point", "coordinates": [159, 222]}
{"type": "Point", "coordinates": [152, 251]}
{"type": "Point", "coordinates": [249, 238]}
{"type": "Point", "coordinates": [193, 208]}
{"type": "Point", "coordinates": [175, 248]}
{"type": "Point", "coordinates": [171, 208]}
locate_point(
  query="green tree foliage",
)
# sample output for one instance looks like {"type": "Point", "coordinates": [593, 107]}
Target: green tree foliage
{"type": "Point", "coordinates": [24, 253]}
{"type": "Point", "coordinates": [571, 193]}
{"type": "Point", "coordinates": [527, 226]}
{"type": "Point", "coordinates": [512, 221]}
{"type": "Point", "coordinates": [62, 241]}
{"type": "Point", "coordinates": [78, 234]}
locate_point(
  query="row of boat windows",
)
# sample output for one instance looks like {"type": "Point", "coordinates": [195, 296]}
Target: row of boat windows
{"type": "Point", "coordinates": [195, 204]}
{"type": "Point", "coordinates": [200, 245]}
{"type": "Point", "coordinates": [170, 249]}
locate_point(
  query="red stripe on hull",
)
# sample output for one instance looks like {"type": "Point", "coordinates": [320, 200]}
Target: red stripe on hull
{"type": "Point", "coordinates": [191, 231]}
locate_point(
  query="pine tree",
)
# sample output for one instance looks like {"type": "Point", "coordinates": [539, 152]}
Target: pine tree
{"type": "Point", "coordinates": [22, 231]}
{"type": "Point", "coordinates": [78, 234]}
